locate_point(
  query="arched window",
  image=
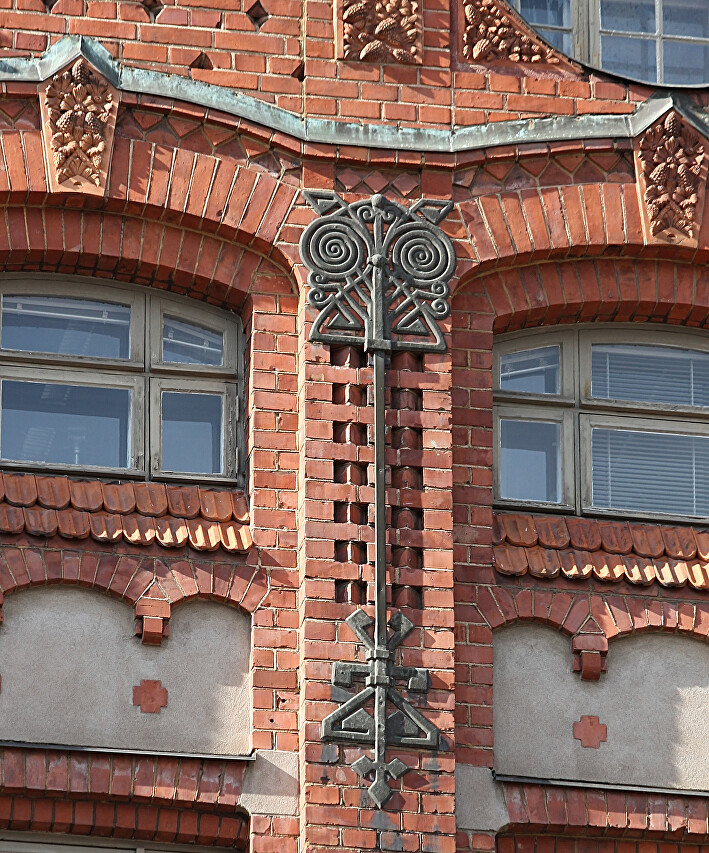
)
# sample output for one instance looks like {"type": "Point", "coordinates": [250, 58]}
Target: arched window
{"type": "Point", "coordinates": [657, 41]}
{"type": "Point", "coordinates": [602, 420]}
{"type": "Point", "coordinates": [120, 381]}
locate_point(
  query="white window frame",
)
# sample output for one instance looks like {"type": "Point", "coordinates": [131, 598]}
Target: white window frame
{"type": "Point", "coordinates": [586, 35]}
{"type": "Point", "coordinates": [142, 372]}
{"type": "Point", "coordinates": [579, 412]}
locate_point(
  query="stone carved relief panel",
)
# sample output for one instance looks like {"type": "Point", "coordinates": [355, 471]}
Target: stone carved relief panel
{"type": "Point", "coordinates": [493, 32]}
{"type": "Point", "coordinates": [380, 30]}
{"type": "Point", "coordinates": [671, 167]}
{"type": "Point", "coordinates": [78, 120]}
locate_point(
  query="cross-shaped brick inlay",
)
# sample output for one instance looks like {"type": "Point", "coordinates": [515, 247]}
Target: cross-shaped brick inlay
{"type": "Point", "coordinates": [151, 696]}
{"type": "Point", "coordinates": [591, 732]}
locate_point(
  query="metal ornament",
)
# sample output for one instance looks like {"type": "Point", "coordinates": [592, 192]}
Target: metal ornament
{"type": "Point", "coordinates": [379, 277]}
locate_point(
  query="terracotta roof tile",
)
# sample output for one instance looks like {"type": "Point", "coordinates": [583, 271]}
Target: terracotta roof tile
{"type": "Point", "coordinates": [679, 542]}
{"type": "Point", "coordinates": [86, 495]}
{"type": "Point", "coordinates": [647, 540]}
{"type": "Point", "coordinates": [73, 524]}
{"type": "Point", "coordinates": [53, 492]}
{"type": "Point", "coordinates": [510, 561]}
{"type": "Point", "coordinates": [118, 497]}
{"type": "Point", "coordinates": [150, 499]}
{"type": "Point", "coordinates": [12, 519]}
{"type": "Point", "coordinates": [216, 506]}
{"type": "Point", "coordinates": [543, 562]}
{"type": "Point", "coordinates": [140, 513]}
{"type": "Point", "coordinates": [138, 529]}
{"type": "Point", "coordinates": [610, 551]}
{"type": "Point", "coordinates": [552, 531]}
{"type": "Point", "coordinates": [520, 530]}
{"type": "Point", "coordinates": [183, 502]}
{"type": "Point", "coordinates": [701, 539]}
{"type": "Point", "coordinates": [20, 489]}
{"type": "Point", "coordinates": [615, 537]}
{"type": "Point", "coordinates": [584, 534]}
{"type": "Point", "coordinates": [40, 521]}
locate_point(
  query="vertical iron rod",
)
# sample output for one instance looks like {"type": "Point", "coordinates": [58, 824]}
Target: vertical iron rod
{"type": "Point", "coordinates": [380, 571]}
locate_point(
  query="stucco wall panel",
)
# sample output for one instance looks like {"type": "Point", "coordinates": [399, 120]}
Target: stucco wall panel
{"type": "Point", "coordinates": [652, 700]}
{"type": "Point", "coordinates": [69, 662]}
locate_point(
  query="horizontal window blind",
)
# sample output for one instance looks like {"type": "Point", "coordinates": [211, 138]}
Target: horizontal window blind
{"type": "Point", "coordinates": [650, 471]}
{"type": "Point", "coordinates": [650, 374]}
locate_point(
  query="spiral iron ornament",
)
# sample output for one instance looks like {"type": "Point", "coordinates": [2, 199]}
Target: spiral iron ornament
{"type": "Point", "coordinates": [379, 272]}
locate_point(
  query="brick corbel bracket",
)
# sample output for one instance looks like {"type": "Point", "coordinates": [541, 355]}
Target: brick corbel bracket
{"type": "Point", "coordinates": [590, 651]}
{"type": "Point", "coordinates": [379, 276]}
{"type": "Point", "coordinates": [79, 110]}
{"type": "Point", "coordinates": [671, 168]}
{"type": "Point", "coordinates": [152, 616]}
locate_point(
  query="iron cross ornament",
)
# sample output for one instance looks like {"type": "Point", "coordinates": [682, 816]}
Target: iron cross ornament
{"type": "Point", "coordinates": [379, 276]}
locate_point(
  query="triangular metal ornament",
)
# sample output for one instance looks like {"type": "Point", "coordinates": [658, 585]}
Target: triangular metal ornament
{"type": "Point", "coordinates": [323, 201]}
{"type": "Point", "coordinates": [435, 211]}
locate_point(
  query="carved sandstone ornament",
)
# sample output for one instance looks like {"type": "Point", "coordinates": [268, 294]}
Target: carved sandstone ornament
{"type": "Point", "coordinates": [671, 159]}
{"type": "Point", "coordinates": [381, 30]}
{"type": "Point", "coordinates": [79, 115]}
{"type": "Point", "coordinates": [492, 32]}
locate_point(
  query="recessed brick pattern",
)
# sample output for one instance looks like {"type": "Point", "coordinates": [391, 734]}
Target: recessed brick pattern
{"type": "Point", "coordinates": [150, 696]}
{"type": "Point", "coordinates": [590, 732]}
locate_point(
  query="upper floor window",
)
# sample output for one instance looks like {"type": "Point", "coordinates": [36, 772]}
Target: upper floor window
{"type": "Point", "coordinates": [656, 41]}
{"type": "Point", "coordinates": [603, 421]}
{"type": "Point", "coordinates": [113, 380]}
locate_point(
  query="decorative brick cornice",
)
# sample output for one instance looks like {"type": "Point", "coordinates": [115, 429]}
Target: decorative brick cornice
{"type": "Point", "coordinates": [79, 116]}
{"type": "Point", "coordinates": [671, 176]}
{"type": "Point", "coordinates": [380, 31]}
{"type": "Point", "coordinates": [493, 32]}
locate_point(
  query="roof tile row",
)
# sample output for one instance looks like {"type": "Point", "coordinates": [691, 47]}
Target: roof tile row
{"type": "Point", "coordinates": [581, 548]}
{"type": "Point", "coordinates": [139, 513]}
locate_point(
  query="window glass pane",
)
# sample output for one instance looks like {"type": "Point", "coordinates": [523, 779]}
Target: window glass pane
{"type": "Point", "coordinates": [536, 371]}
{"type": "Point", "coordinates": [530, 460]}
{"type": "Point", "coordinates": [65, 326]}
{"type": "Point", "coordinates": [557, 38]}
{"type": "Point", "coordinates": [188, 343]}
{"type": "Point", "coordinates": [685, 62]}
{"type": "Point", "coordinates": [65, 424]}
{"type": "Point", "coordinates": [650, 471]}
{"type": "Point", "coordinates": [650, 374]}
{"type": "Point", "coordinates": [685, 18]}
{"type": "Point", "coordinates": [628, 16]}
{"type": "Point", "coordinates": [630, 57]}
{"type": "Point", "coordinates": [192, 432]}
{"type": "Point", "coordinates": [554, 12]}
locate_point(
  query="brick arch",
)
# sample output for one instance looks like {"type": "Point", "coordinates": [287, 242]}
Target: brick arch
{"type": "Point", "coordinates": [161, 184]}
{"type": "Point", "coordinates": [584, 614]}
{"type": "Point", "coordinates": [587, 290]}
{"type": "Point", "coordinates": [110, 245]}
{"type": "Point", "coordinates": [133, 578]}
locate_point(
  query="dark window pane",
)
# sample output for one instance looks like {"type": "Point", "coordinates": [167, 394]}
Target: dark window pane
{"type": "Point", "coordinates": [557, 13]}
{"type": "Point", "coordinates": [188, 343]}
{"type": "Point", "coordinates": [530, 460]}
{"type": "Point", "coordinates": [534, 371]}
{"type": "Point", "coordinates": [65, 424]}
{"type": "Point", "coordinates": [192, 433]}
{"type": "Point", "coordinates": [65, 326]}
{"type": "Point", "coordinates": [650, 374]}
{"type": "Point", "coordinates": [628, 16]}
{"type": "Point", "coordinates": [650, 471]}
{"type": "Point", "coordinates": [685, 18]}
{"type": "Point", "coordinates": [631, 57]}
{"type": "Point", "coordinates": [685, 63]}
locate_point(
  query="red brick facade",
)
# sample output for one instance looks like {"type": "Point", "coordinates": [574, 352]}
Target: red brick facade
{"type": "Point", "coordinates": [549, 228]}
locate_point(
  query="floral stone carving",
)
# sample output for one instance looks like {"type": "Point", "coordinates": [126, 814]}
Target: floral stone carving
{"type": "Point", "coordinates": [671, 160]}
{"type": "Point", "coordinates": [492, 32]}
{"type": "Point", "coordinates": [381, 30]}
{"type": "Point", "coordinates": [79, 115]}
